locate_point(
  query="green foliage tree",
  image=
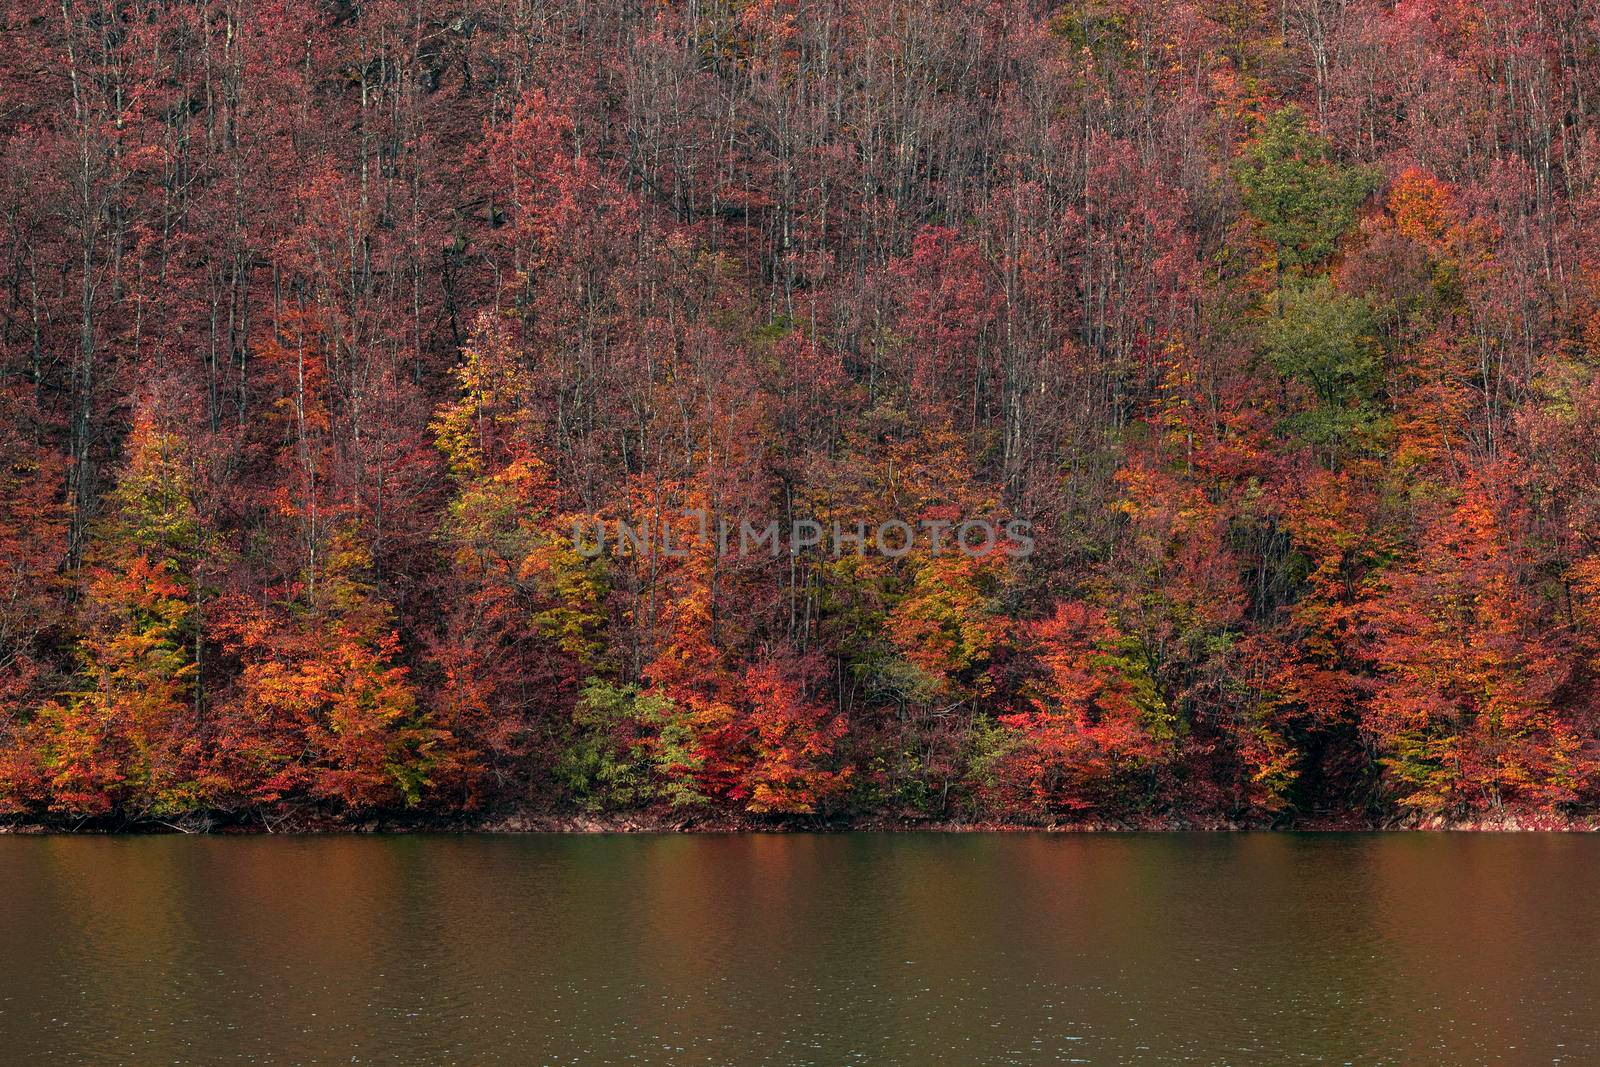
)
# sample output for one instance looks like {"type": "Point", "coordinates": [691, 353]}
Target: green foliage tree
{"type": "Point", "coordinates": [1325, 340]}
{"type": "Point", "coordinates": [1303, 200]}
{"type": "Point", "coordinates": [630, 748]}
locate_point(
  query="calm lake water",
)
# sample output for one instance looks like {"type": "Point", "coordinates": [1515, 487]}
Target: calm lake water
{"type": "Point", "coordinates": [871, 948]}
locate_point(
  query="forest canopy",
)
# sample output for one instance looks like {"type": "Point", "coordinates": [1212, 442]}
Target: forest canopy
{"type": "Point", "coordinates": [324, 325]}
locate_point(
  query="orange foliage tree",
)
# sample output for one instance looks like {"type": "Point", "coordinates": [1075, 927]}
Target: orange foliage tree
{"type": "Point", "coordinates": [1091, 734]}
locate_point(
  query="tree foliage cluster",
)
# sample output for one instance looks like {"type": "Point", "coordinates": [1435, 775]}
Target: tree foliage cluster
{"type": "Point", "coordinates": [323, 324]}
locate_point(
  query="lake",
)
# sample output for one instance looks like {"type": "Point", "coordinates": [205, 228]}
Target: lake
{"type": "Point", "coordinates": [830, 949]}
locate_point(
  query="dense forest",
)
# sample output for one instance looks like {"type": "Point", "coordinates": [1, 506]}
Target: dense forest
{"type": "Point", "coordinates": [326, 325]}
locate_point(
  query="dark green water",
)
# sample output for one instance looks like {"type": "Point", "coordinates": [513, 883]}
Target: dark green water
{"type": "Point", "coordinates": [914, 949]}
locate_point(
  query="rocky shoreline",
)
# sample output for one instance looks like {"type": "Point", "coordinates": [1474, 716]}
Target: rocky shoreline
{"type": "Point", "coordinates": [647, 823]}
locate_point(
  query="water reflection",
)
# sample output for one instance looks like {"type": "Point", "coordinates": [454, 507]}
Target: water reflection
{"type": "Point", "coordinates": [912, 949]}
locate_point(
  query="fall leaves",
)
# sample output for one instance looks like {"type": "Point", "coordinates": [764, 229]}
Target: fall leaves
{"type": "Point", "coordinates": [321, 332]}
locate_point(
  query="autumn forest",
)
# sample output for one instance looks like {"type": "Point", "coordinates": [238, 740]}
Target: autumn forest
{"type": "Point", "coordinates": [326, 324]}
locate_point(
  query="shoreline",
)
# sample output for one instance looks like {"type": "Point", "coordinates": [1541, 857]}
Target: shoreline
{"type": "Point", "coordinates": [529, 823]}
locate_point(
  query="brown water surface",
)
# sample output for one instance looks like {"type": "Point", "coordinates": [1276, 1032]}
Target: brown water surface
{"type": "Point", "coordinates": [866, 948]}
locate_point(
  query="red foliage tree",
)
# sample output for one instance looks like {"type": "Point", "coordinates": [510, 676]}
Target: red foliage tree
{"type": "Point", "coordinates": [1091, 736]}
